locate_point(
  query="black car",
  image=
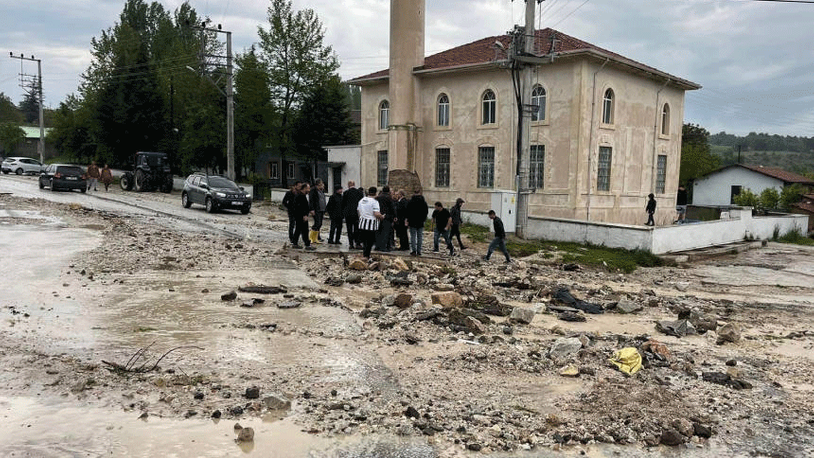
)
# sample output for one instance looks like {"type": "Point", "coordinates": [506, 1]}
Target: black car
{"type": "Point", "coordinates": [62, 176]}
{"type": "Point", "coordinates": [215, 193]}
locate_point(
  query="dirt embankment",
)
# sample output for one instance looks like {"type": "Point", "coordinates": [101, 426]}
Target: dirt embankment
{"type": "Point", "coordinates": [477, 356]}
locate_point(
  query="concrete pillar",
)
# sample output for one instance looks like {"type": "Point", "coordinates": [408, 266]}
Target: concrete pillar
{"type": "Point", "coordinates": [406, 52]}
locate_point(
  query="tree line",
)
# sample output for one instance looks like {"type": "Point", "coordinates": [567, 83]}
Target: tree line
{"type": "Point", "coordinates": [763, 142]}
{"type": "Point", "coordinates": [157, 82]}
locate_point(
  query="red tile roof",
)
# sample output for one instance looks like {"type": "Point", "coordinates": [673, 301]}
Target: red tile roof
{"type": "Point", "coordinates": [548, 42]}
{"type": "Point", "coordinates": [780, 174]}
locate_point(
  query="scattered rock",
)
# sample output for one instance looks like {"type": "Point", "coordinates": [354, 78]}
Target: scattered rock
{"type": "Point", "coordinates": [671, 437]}
{"type": "Point", "coordinates": [572, 317]}
{"type": "Point", "coordinates": [569, 371]}
{"type": "Point", "coordinates": [521, 315]}
{"type": "Point", "coordinates": [230, 296]}
{"type": "Point", "coordinates": [678, 328]}
{"type": "Point", "coordinates": [245, 435]}
{"type": "Point", "coordinates": [411, 412]}
{"type": "Point", "coordinates": [288, 305]}
{"type": "Point", "coordinates": [444, 287]}
{"type": "Point", "coordinates": [403, 300]}
{"type": "Point", "coordinates": [447, 299]}
{"type": "Point", "coordinates": [564, 348]}
{"type": "Point", "coordinates": [277, 402]}
{"type": "Point", "coordinates": [262, 289]}
{"type": "Point", "coordinates": [726, 380]}
{"type": "Point", "coordinates": [399, 264]}
{"type": "Point", "coordinates": [354, 279]}
{"type": "Point", "coordinates": [628, 306]}
{"type": "Point", "coordinates": [729, 332]}
{"type": "Point", "coordinates": [358, 264]}
{"type": "Point", "coordinates": [252, 392]}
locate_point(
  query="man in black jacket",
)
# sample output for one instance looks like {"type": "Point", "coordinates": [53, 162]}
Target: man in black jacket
{"type": "Point", "coordinates": [499, 241]}
{"type": "Point", "coordinates": [350, 200]}
{"type": "Point", "coordinates": [288, 203]}
{"type": "Point", "coordinates": [400, 222]}
{"type": "Point", "coordinates": [384, 235]}
{"type": "Point", "coordinates": [301, 211]}
{"type": "Point", "coordinates": [416, 217]}
{"type": "Point", "coordinates": [334, 209]}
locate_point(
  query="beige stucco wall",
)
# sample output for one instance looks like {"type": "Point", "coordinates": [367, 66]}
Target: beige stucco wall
{"type": "Point", "coordinates": [571, 135]}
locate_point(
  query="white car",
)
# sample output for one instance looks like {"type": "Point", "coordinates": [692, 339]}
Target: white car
{"type": "Point", "coordinates": [21, 165]}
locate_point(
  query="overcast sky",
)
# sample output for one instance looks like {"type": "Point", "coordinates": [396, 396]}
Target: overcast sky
{"type": "Point", "coordinates": [754, 59]}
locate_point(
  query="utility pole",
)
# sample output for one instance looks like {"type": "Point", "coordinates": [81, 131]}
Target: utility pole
{"type": "Point", "coordinates": [229, 94]}
{"type": "Point", "coordinates": [524, 47]}
{"type": "Point", "coordinates": [34, 85]}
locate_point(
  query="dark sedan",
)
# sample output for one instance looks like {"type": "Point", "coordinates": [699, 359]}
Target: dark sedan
{"type": "Point", "coordinates": [61, 176]}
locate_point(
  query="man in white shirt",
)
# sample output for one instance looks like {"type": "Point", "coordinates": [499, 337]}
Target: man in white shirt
{"type": "Point", "coordinates": [369, 217]}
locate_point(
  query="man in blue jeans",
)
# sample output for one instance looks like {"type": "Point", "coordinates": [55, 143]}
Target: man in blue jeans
{"type": "Point", "coordinates": [499, 241]}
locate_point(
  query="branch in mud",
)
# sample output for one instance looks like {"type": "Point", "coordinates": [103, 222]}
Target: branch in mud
{"type": "Point", "coordinates": [131, 365]}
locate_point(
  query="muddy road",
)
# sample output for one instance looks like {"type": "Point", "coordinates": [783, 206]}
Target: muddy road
{"type": "Point", "coordinates": [116, 340]}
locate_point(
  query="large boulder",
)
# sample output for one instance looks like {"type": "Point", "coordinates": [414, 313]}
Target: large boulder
{"type": "Point", "coordinates": [729, 332]}
{"type": "Point", "coordinates": [521, 315]}
{"type": "Point", "coordinates": [564, 347]}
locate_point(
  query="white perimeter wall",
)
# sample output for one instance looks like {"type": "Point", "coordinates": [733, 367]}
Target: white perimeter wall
{"type": "Point", "coordinates": [741, 225]}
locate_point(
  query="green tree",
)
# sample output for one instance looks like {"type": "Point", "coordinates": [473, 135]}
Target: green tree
{"type": "Point", "coordinates": [70, 133]}
{"type": "Point", "coordinates": [30, 107]}
{"type": "Point", "coordinates": [769, 198]}
{"type": "Point", "coordinates": [323, 120]}
{"type": "Point", "coordinates": [8, 111]}
{"type": "Point", "coordinates": [696, 158]}
{"type": "Point", "coordinates": [297, 61]}
{"type": "Point", "coordinates": [10, 137]}
{"type": "Point", "coordinates": [747, 198]}
{"type": "Point", "coordinates": [790, 195]}
{"type": "Point", "coordinates": [253, 109]}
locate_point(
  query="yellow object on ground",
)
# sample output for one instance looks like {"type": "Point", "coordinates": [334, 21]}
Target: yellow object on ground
{"type": "Point", "coordinates": [313, 236]}
{"type": "Point", "coordinates": [628, 360]}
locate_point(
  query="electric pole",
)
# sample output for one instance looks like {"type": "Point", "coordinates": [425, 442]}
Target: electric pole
{"type": "Point", "coordinates": [229, 94]}
{"type": "Point", "coordinates": [31, 83]}
{"type": "Point", "coordinates": [523, 45]}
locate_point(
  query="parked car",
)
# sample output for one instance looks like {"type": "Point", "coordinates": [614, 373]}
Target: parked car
{"type": "Point", "coordinates": [63, 176]}
{"type": "Point", "coordinates": [215, 192]}
{"type": "Point", "coordinates": [21, 165]}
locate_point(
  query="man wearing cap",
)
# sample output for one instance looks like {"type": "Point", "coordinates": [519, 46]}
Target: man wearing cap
{"type": "Point", "coordinates": [455, 214]}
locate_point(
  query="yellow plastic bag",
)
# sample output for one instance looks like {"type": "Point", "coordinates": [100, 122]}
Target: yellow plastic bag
{"type": "Point", "coordinates": [627, 360]}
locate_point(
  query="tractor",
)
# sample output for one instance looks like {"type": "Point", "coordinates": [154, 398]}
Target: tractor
{"type": "Point", "coordinates": [150, 171]}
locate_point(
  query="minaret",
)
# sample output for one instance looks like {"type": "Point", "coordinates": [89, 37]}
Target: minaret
{"type": "Point", "coordinates": [406, 52]}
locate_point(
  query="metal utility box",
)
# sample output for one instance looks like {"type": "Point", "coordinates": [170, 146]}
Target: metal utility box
{"type": "Point", "coordinates": [504, 203]}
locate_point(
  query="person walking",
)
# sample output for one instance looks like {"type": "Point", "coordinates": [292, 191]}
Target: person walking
{"type": "Point", "coordinates": [400, 221]}
{"type": "Point", "coordinates": [107, 177]}
{"type": "Point", "coordinates": [93, 175]}
{"type": "Point", "coordinates": [369, 217]}
{"type": "Point", "coordinates": [384, 235]}
{"type": "Point", "coordinates": [650, 208]}
{"type": "Point", "coordinates": [499, 241]}
{"type": "Point", "coordinates": [455, 214]}
{"type": "Point", "coordinates": [350, 204]}
{"type": "Point", "coordinates": [301, 212]}
{"type": "Point", "coordinates": [681, 204]}
{"type": "Point", "coordinates": [316, 199]}
{"type": "Point", "coordinates": [288, 202]}
{"type": "Point", "coordinates": [443, 223]}
{"type": "Point", "coordinates": [334, 209]}
{"type": "Point", "coordinates": [416, 217]}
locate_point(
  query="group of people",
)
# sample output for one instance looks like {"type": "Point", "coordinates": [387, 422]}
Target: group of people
{"type": "Point", "coordinates": [95, 174]}
{"type": "Point", "coordinates": [373, 218]}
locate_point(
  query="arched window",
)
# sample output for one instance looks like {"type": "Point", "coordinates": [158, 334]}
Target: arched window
{"type": "Point", "coordinates": [665, 120]}
{"type": "Point", "coordinates": [538, 102]}
{"type": "Point", "coordinates": [443, 110]}
{"type": "Point", "coordinates": [489, 107]}
{"type": "Point", "coordinates": [607, 107]}
{"type": "Point", "coordinates": [384, 115]}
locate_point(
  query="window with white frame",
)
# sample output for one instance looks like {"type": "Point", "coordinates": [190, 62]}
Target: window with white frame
{"type": "Point", "coordinates": [536, 166]}
{"type": "Point", "coordinates": [661, 173]}
{"type": "Point", "coordinates": [442, 167]}
{"type": "Point", "coordinates": [274, 170]}
{"type": "Point", "coordinates": [607, 107]}
{"type": "Point", "coordinates": [489, 107]}
{"type": "Point", "coordinates": [443, 110]}
{"type": "Point", "coordinates": [381, 174]}
{"type": "Point", "coordinates": [290, 170]}
{"type": "Point", "coordinates": [538, 103]}
{"type": "Point", "coordinates": [384, 115]}
{"type": "Point", "coordinates": [665, 120]}
{"type": "Point", "coordinates": [603, 169]}
{"type": "Point", "coordinates": [486, 167]}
